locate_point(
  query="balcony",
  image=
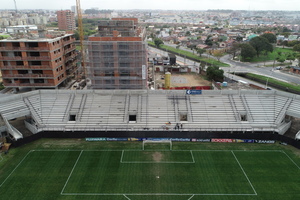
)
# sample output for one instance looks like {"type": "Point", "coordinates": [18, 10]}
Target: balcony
{"type": "Point", "coordinates": [24, 49]}
{"type": "Point", "coordinates": [70, 49]}
{"type": "Point", "coordinates": [29, 85]}
{"type": "Point", "coordinates": [26, 67]}
{"type": "Point", "coordinates": [68, 42]}
{"type": "Point", "coordinates": [19, 58]}
{"type": "Point", "coordinates": [27, 76]}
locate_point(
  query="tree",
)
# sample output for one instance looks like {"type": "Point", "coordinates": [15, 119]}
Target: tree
{"type": "Point", "coordinates": [239, 38]}
{"type": "Point", "coordinates": [270, 37]}
{"type": "Point", "coordinates": [247, 51]}
{"type": "Point", "coordinates": [215, 73]}
{"type": "Point", "coordinates": [200, 51]}
{"type": "Point", "coordinates": [290, 57]}
{"type": "Point", "coordinates": [234, 49]}
{"type": "Point", "coordinates": [188, 33]}
{"type": "Point", "coordinates": [218, 54]}
{"type": "Point", "coordinates": [158, 42]}
{"type": "Point", "coordinates": [280, 59]}
{"type": "Point", "coordinates": [296, 47]}
{"type": "Point", "coordinates": [259, 44]}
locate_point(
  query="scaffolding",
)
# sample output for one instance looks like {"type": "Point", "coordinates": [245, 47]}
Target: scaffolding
{"type": "Point", "coordinates": [117, 64]}
{"type": "Point", "coordinates": [117, 57]}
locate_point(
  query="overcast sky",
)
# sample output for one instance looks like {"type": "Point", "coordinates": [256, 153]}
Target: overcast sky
{"type": "Point", "coordinates": [156, 4]}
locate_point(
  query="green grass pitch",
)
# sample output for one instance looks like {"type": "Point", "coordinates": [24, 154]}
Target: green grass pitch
{"type": "Point", "coordinates": [52, 169]}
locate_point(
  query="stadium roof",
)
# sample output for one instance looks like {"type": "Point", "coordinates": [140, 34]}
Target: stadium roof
{"type": "Point", "coordinates": [143, 110]}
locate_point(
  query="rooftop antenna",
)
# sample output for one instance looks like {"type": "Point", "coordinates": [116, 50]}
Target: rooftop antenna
{"type": "Point", "coordinates": [16, 6]}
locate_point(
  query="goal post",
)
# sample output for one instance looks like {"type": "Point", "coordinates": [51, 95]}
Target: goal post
{"type": "Point", "coordinates": [157, 142]}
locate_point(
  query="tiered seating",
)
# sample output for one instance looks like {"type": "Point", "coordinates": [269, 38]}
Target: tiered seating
{"type": "Point", "coordinates": [294, 108]}
{"type": "Point", "coordinates": [160, 110]}
{"type": "Point", "coordinates": [261, 107]}
{"type": "Point", "coordinates": [212, 109]}
{"type": "Point", "coordinates": [14, 108]}
{"type": "Point", "coordinates": [54, 107]}
{"type": "Point", "coordinates": [35, 107]}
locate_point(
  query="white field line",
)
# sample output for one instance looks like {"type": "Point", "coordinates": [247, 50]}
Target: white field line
{"type": "Point", "coordinates": [191, 197]}
{"type": "Point", "coordinates": [71, 173]}
{"type": "Point", "coordinates": [121, 160]}
{"type": "Point", "coordinates": [291, 159]}
{"type": "Point", "coordinates": [151, 194]}
{"type": "Point", "coordinates": [15, 168]}
{"type": "Point", "coordinates": [126, 197]}
{"type": "Point", "coordinates": [244, 172]}
{"type": "Point", "coordinates": [192, 156]}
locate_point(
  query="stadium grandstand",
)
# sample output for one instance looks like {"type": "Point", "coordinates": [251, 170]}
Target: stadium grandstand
{"type": "Point", "coordinates": [146, 110]}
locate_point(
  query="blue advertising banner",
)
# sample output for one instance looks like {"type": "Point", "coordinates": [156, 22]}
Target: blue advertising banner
{"type": "Point", "coordinates": [158, 139]}
{"type": "Point", "coordinates": [95, 139]}
{"type": "Point", "coordinates": [181, 139]}
{"type": "Point", "coordinates": [265, 141]}
{"type": "Point", "coordinates": [135, 139]}
{"type": "Point", "coordinates": [192, 92]}
{"type": "Point", "coordinates": [244, 141]}
{"type": "Point", "coordinates": [200, 140]}
{"type": "Point", "coordinates": [116, 139]}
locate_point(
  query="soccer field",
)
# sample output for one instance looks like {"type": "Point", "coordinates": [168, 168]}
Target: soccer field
{"type": "Point", "coordinates": [135, 174]}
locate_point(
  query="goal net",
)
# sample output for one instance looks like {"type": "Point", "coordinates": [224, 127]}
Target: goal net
{"type": "Point", "coordinates": [157, 144]}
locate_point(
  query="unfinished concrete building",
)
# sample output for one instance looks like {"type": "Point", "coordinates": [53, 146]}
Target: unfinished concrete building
{"type": "Point", "coordinates": [37, 62]}
{"type": "Point", "coordinates": [118, 55]}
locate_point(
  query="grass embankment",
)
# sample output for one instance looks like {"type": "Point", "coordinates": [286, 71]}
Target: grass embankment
{"type": "Point", "coordinates": [274, 81]}
{"type": "Point", "coordinates": [188, 54]}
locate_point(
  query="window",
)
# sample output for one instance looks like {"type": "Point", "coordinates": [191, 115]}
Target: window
{"type": "Point", "coordinates": [34, 54]}
{"type": "Point", "coordinates": [39, 81]}
{"type": "Point", "coordinates": [37, 71]}
{"type": "Point", "coordinates": [35, 63]}
{"type": "Point", "coordinates": [33, 44]}
{"type": "Point", "coordinates": [22, 71]}
{"type": "Point", "coordinates": [19, 63]}
{"type": "Point", "coordinates": [18, 53]}
{"type": "Point", "coordinates": [16, 44]}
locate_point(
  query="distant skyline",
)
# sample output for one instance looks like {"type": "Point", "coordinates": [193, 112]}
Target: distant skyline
{"type": "Point", "coordinates": [286, 5]}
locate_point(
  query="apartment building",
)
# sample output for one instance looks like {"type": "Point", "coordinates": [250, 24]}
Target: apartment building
{"type": "Point", "coordinates": [117, 55]}
{"type": "Point", "coordinates": [66, 20]}
{"type": "Point", "coordinates": [38, 62]}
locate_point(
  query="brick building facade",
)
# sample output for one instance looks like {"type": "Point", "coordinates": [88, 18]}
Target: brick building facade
{"type": "Point", "coordinates": [37, 63]}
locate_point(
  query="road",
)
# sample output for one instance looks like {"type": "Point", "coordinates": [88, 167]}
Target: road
{"type": "Point", "coordinates": [257, 68]}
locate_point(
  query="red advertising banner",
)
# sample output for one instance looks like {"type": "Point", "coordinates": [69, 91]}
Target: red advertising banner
{"type": "Point", "coordinates": [222, 140]}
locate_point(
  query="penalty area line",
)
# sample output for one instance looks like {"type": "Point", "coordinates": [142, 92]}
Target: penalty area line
{"type": "Point", "coordinates": [290, 159]}
{"type": "Point", "coordinates": [244, 172]}
{"type": "Point", "coordinates": [126, 197]}
{"type": "Point", "coordinates": [71, 173]}
{"type": "Point", "coordinates": [16, 168]}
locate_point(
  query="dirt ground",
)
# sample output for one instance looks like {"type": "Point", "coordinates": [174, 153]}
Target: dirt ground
{"type": "Point", "coordinates": [157, 156]}
{"type": "Point", "coordinates": [181, 80]}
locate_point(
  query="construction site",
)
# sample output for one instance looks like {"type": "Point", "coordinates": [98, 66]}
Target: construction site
{"type": "Point", "coordinates": [117, 56]}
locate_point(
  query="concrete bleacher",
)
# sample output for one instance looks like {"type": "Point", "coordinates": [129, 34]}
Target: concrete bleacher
{"type": "Point", "coordinates": [103, 110]}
